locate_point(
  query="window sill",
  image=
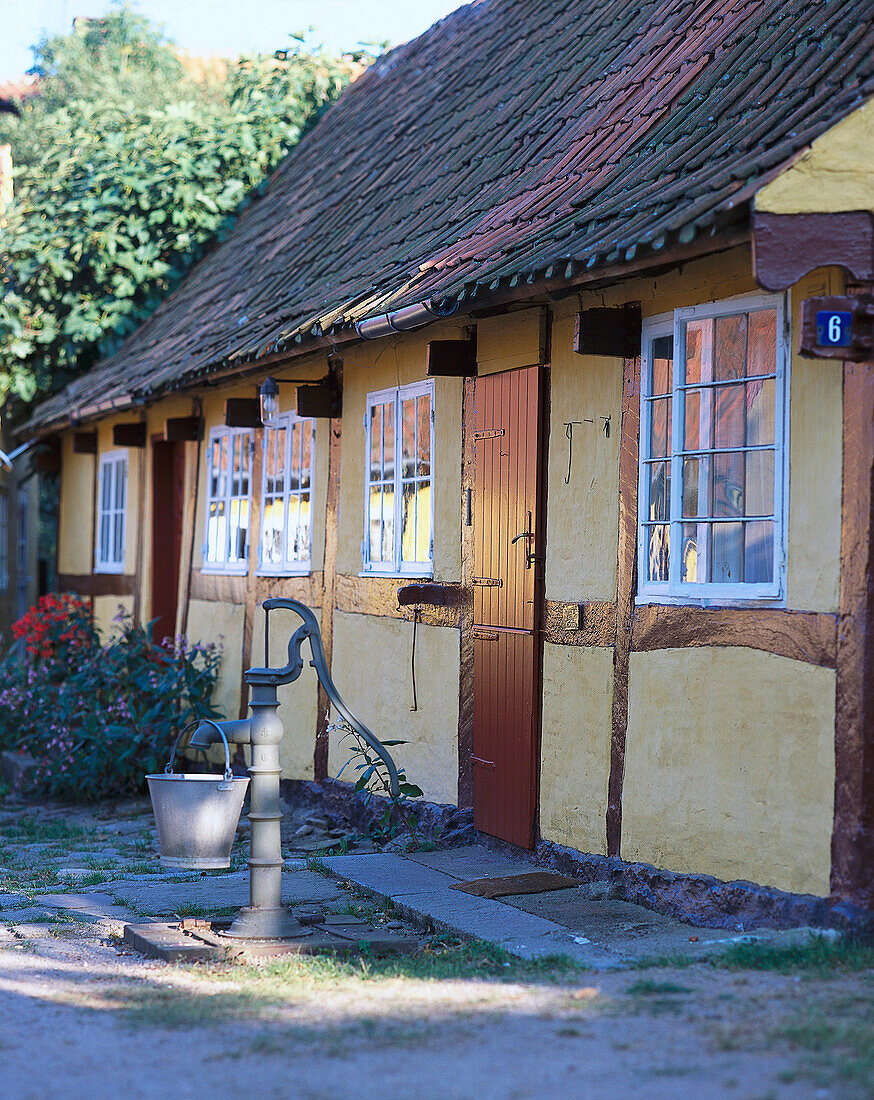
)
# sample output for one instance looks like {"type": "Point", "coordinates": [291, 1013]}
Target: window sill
{"type": "Point", "coordinates": [110, 570]}
{"type": "Point", "coordinates": [280, 573]}
{"type": "Point", "coordinates": [775, 602]}
{"type": "Point", "coordinates": [397, 576]}
{"type": "Point", "coordinates": [225, 570]}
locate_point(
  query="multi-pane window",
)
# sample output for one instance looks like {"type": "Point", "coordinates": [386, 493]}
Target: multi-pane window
{"type": "Point", "coordinates": [398, 519]}
{"type": "Point", "coordinates": [228, 498]}
{"type": "Point", "coordinates": [712, 452]}
{"type": "Point", "coordinates": [111, 508]}
{"type": "Point", "coordinates": [286, 496]}
{"type": "Point", "coordinates": [22, 561]}
{"type": "Point", "coordinates": [4, 541]}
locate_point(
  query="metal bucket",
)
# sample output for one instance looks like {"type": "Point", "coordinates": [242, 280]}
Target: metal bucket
{"type": "Point", "coordinates": [197, 815]}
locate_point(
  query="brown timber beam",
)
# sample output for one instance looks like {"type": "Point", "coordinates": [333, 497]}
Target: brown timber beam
{"type": "Point", "coordinates": [852, 874]}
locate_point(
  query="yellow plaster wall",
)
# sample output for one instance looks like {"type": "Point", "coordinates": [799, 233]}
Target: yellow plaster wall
{"type": "Point", "coordinates": [582, 516]}
{"type": "Point", "coordinates": [575, 745]}
{"type": "Point", "coordinates": [212, 621]}
{"type": "Point", "coordinates": [371, 668]}
{"type": "Point", "coordinates": [729, 766]}
{"type": "Point", "coordinates": [378, 366]}
{"type": "Point", "coordinates": [105, 610]}
{"type": "Point", "coordinates": [835, 174]}
{"type": "Point", "coordinates": [813, 564]}
{"type": "Point", "coordinates": [298, 701]}
{"type": "Point", "coordinates": [75, 510]}
{"type": "Point", "coordinates": [511, 340]}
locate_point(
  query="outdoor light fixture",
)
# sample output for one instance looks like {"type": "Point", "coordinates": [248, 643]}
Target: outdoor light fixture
{"type": "Point", "coordinates": [269, 394]}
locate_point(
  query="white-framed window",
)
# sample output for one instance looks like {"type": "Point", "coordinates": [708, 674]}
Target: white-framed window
{"type": "Point", "coordinates": [287, 495]}
{"type": "Point", "coordinates": [111, 509]}
{"type": "Point", "coordinates": [4, 540]}
{"type": "Point", "coordinates": [714, 453]}
{"type": "Point", "coordinates": [399, 504]}
{"type": "Point", "coordinates": [228, 500]}
{"type": "Point", "coordinates": [23, 556]}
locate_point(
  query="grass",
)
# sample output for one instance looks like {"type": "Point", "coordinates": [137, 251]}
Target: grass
{"type": "Point", "coordinates": [647, 987]}
{"type": "Point", "coordinates": [35, 831]}
{"type": "Point", "coordinates": [819, 955]}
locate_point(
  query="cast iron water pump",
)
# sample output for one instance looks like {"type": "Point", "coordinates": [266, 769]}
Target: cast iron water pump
{"type": "Point", "coordinates": [265, 917]}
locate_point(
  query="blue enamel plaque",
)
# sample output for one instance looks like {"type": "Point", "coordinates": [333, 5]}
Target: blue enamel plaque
{"type": "Point", "coordinates": [834, 328]}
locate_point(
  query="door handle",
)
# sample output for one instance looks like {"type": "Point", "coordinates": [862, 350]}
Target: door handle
{"type": "Point", "coordinates": [527, 534]}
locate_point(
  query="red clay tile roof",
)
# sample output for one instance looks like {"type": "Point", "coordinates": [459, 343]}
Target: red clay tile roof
{"type": "Point", "coordinates": [515, 139]}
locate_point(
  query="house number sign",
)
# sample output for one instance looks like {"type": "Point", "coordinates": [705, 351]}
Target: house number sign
{"type": "Point", "coordinates": [838, 327]}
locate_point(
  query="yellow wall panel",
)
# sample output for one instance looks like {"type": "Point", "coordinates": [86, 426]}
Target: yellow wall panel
{"type": "Point", "coordinates": [575, 745]}
{"type": "Point", "coordinates": [835, 174]}
{"type": "Point", "coordinates": [511, 340]}
{"type": "Point", "coordinates": [729, 766]}
{"type": "Point", "coordinates": [222, 623]}
{"type": "Point", "coordinates": [105, 610]}
{"type": "Point", "coordinates": [75, 510]}
{"type": "Point", "coordinates": [371, 668]}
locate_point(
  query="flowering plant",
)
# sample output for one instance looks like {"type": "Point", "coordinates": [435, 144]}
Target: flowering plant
{"type": "Point", "coordinates": [59, 626]}
{"type": "Point", "coordinates": [96, 715]}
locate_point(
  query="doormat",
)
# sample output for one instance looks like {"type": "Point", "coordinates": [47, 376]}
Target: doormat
{"type": "Point", "coordinates": [533, 882]}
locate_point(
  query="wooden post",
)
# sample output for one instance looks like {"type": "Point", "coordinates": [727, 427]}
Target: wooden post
{"type": "Point", "coordinates": [852, 875]}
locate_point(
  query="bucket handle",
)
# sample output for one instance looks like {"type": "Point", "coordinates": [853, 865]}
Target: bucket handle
{"type": "Point", "coordinates": [228, 778]}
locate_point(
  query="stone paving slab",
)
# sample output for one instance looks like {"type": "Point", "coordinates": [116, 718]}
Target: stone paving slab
{"type": "Point", "coordinates": [473, 862]}
{"type": "Point", "coordinates": [388, 874]}
{"type": "Point", "coordinates": [222, 892]}
{"type": "Point", "coordinates": [11, 900]}
{"type": "Point", "coordinates": [92, 906]}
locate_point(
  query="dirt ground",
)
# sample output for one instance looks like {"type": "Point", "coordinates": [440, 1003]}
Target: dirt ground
{"type": "Point", "coordinates": [81, 1016]}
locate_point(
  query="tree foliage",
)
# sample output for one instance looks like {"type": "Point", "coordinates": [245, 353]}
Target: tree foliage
{"type": "Point", "coordinates": [125, 168]}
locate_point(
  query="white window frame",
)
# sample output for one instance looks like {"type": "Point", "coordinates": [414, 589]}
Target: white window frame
{"type": "Point", "coordinates": [286, 568]}
{"type": "Point", "coordinates": [109, 554]}
{"type": "Point", "coordinates": [236, 568]}
{"type": "Point", "coordinates": [4, 540]}
{"type": "Point", "coordinates": [397, 568]}
{"type": "Point", "coordinates": [674, 591]}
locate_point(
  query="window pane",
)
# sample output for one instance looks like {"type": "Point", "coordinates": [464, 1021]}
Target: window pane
{"type": "Point", "coordinates": [699, 351]}
{"type": "Point", "coordinates": [299, 532]}
{"type": "Point", "coordinates": [695, 502]}
{"type": "Point", "coordinates": [692, 429]}
{"type": "Point", "coordinates": [408, 437]}
{"type": "Point", "coordinates": [388, 525]}
{"type": "Point", "coordinates": [760, 483]}
{"type": "Point", "coordinates": [689, 552]}
{"type": "Point", "coordinates": [271, 537]}
{"type": "Point", "coordinates": [660, 428]}
{"type": "Point", "coordinates": [388, 442]}
{"type": "Point", "coordinates": [759, 552]}
{"type": "Point", "coordinates": [658, 545]}
{"type": "Point", "coordinates": [762, 346]}
{"type": "Point", "coordinates": [375, 524]}
{"type": "Point", "coordinates": [728, 553]}
{"type": "Point", "coordinates": [408, 523]}
{"type": "Point", "coordinates": [760, 398]}
{"type": "Point", "coordinates": [306, 448]}
{"type": "Point", "coordinates": [375, 443]}
{"type": "Point", "coordinates": [661, 374]}
{"type": "Point", "coordinates": [216, 532]}
{"type": "Point", "coordinates": [729, 416]}
{"type": "Point", "coordinates": [423, 521]}
{"type": "Point", "coordinates": [660, 490]}
{"type": "Point", "coordinates": [423, 436]}
{"type": "Point", "coordinates": [119, 483]}
{"type": "Point", "coordinates": [730, 351]}
{"type": "Point", "coordinates": [728, 484]}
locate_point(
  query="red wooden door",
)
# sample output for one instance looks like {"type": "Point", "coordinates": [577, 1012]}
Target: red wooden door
{"type": "Point", "coordinates": [168, 503]}
{"type": "Point", "coordinates": [506, 604]}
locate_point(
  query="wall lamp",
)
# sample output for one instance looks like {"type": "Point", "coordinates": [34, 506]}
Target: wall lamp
{"type": "Point", "coordinates": [269, 396]}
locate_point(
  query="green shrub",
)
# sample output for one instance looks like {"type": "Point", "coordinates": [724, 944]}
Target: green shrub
{"type": "Point", "coordinates": [98, 717]}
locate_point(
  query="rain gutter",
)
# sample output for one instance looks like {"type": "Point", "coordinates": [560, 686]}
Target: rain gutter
{"type": "Point", "coordinates": [398, 320]}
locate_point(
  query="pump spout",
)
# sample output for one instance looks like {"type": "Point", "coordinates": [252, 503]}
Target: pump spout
{"type": "Point", "coordinates": [238, 732]}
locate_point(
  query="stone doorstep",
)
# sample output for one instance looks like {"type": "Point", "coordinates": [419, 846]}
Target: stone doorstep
{"type": "Point", "coordinates": [338, 934]}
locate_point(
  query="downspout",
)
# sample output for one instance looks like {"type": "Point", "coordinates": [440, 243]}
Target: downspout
{"type": "Point", "coordinates": [399, 320]}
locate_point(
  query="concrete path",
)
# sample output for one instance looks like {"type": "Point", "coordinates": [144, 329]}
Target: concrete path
{"type": "Point", "coordinates": [595, 931]}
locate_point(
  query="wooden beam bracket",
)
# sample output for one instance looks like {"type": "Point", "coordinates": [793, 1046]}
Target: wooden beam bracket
{"type": "Point", "coordinates": [84, 443]}
{"type": "Point", "coordinates": [183, 429]}
{"type": "Point", "coordinates": [615, 332]}
{"type": "Point", "coordinates": [129, 435]}
{"type": "Point", "coordinates": [242, 412]}
{"type": "Point", "coordinates": [451, 359]}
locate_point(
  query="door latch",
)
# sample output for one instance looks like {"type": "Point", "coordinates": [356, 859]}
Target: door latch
{"type": "Point", "coordinates": [530, 557]}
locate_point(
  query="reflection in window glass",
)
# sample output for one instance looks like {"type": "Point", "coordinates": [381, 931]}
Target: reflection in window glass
{"type": "Point", "coordinates": [398, 513]}
{"type": "Point", "coordinates": [724, 399]}
{"type": "Point", "coordinates": [227, 505]}
{"type": "Point", "coordinates": [286, 495]}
